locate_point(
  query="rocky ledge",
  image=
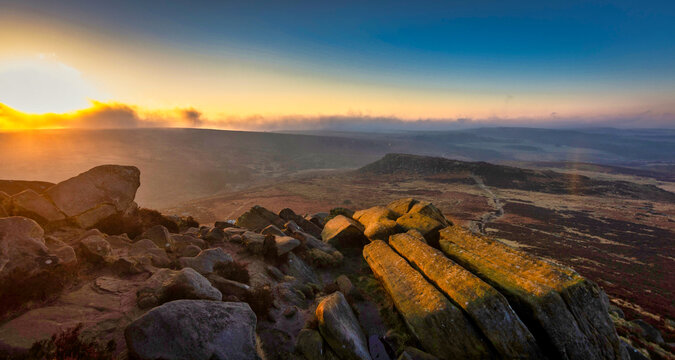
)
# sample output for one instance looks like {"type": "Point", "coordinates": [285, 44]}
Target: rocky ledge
{"type": "Point", "coordinates": [85, 272]}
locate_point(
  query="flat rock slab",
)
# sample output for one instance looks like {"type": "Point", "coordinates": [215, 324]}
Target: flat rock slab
{"type": "Point", "coordinates": [194, 329]}
{"type": "Point", "coordinates": [570, 311]}
{"type": "Point", "coordinates": [439, 326]}
{"type": "Point", "coordinates": [488, 309]}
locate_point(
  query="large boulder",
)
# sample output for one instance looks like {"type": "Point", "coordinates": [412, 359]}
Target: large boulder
{"type": "Point", "coordinates": [31, 204]}
{"type": "Point", "coordinates": [428, 209]}
{"type": "Point", "coordinates": [439, 326]}
{"type": "Point", "coordinates": [194, 329]}
{"type": "Point", "coordinates": [488, 309]}
{"type": "Point", "coordinates": [294, 266]}
{"type": "Point", "coordinates": [23, 252]}
{"type": "Point", "coordinates": [96, 193]}
{"type": "Point", "coordinates": [343, 231]}
{"type": "Point", "coordinates": [306, 225]}
{"type": "Point", "coordinates": [401, 206]}
{"type": "Point", "coordinates": [259, 218]}
{"type": "Point", "coordinates": [167, 285]}
{"type": "Point", "coordinates": [426, 225]}
{"type": "Point", "coordinates": [280, 245]}
{"type": "Point", "coordinates": [570, 311]}
{"type": "Point", "coordinates": [379, 222]}
{"type": "Point", "coordinates": [341, 329]}
{"type": "Point", "coordinates": [207, 261]}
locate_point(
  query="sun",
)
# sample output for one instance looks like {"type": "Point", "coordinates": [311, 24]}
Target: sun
{"type": "Point", "coordinates": [43, 85]}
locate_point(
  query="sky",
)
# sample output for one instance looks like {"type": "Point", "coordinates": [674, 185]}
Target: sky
{"type": "Point", "coordinates": [274, 65]}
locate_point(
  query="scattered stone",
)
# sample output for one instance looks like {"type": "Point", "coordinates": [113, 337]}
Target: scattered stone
{"type": "Point", "coordinates": [322, 259]}
{"type": "Point", "coordinates": [318, 219]}
{"type": "Point", "coordinates": [281, 245]}
{"type": "Point", "coordinates": [307, 226]}
{"type": "Point", "coordinates": [168, 285]}
{"type": "Point", "coordinates": [254, 243]}
{"type": "Point", "coordinates": [297, 268]}
{"type": "Point", "coordinates": [488, 309]}
{"type": "Point", "coordinates": [345, 285]}
{"type": "Point", "coordinates": [215, 235]}
{"type": "Point", "coordinates": [340, 328]}
{"type": "Point", "coordinates": [160, 236]}
{"type": "Point", "coordinates": [146, 248]}
{"type": "Point", "coordinates": [343, 231]}
{"type": "Point", "coordinates": [272, 230]}
{"type": "Point", "coordinates": [119, 241]}
{"type": "Point", "coordinates": [207, 260]}
{"type": "Point", "coordinates": [63, 251]}
{"type": "Point", "coordinates": [95, 249]}
{"type": "Point", "coordinates": [259, 218]}
{"type": "Point", "coordinates": [224, 224]}
{"type": "Point", "coordinates": [275, 273]}
{"type": "Point", "coordinates": [571, 311]}
{"type": "Point", "coordinates": [194, 329]}
{"type": "Point", "coordinates": [191, 251]}
{"type": "Point", "coordinates": [229, 287]}
{"type": "Point", "coordinates": [424, 308]}
{"type": "Point", "coordinates": [310, 344]}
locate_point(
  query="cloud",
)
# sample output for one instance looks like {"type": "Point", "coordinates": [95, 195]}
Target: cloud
{"type": "Point", "coordinates": [116, 115]}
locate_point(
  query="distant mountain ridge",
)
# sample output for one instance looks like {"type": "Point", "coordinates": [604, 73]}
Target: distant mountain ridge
{"type": "Point", "coordinates": [509, 177]}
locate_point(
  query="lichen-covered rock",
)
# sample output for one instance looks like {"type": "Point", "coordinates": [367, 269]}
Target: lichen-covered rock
{"type": "Point", "coordinates": [254, 243]}
{"type": "Point", "coordinates": [207, 260]}
{"type": "Point", "coordinates": [343, 231]}
{"type": "Point", "coordinates": [379, 222]}
{"type": "Point", "coordinates": [428, 209]}
{"type": "Point", "coordinates": [282, 245]}
{"type": "Point", "coordinates": [341, 329]}
{"type": "Point", "coordinates": [401, 206]}
{"type": "Point", "coordinates": [194, 329]}
{"type": "Point", "coordinates": [571, 311]}
{"type": "Point", "coordinates": [258, 218]}
{"type": "Point", "coordinates": [96, 193]}
{"type": "Point", "coordinates": [439, 326]}
{"type": "Point", "coordinates": [488, 309]}
{"type": "Point", "coordinates": [426, 225]}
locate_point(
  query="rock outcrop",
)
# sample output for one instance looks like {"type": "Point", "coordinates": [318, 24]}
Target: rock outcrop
{"type": "Point", "coordinates": [437, 324]}
{"type": "Point", "coordinates": [488, 309]}
{"type": "Point", "coordinates": [569, 312]}
{"type": "Point", "coordinates": [194, 329]}
{"type": "Point", "coordinates": [341, 329]}
{"type": "Point", "coordinates": [379, 222]}
{"type": "Point", "coordinates": [258, 218]}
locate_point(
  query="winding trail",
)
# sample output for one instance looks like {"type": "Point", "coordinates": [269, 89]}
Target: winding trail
{"type": "Point", "coordinates": [494, 201]}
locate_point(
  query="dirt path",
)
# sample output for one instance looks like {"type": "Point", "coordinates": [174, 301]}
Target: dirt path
{"type": "Point", "coordinates": [493, 200]}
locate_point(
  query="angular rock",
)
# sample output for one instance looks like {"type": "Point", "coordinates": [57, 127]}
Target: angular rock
{"type": "Point", "coordinates": [401, 206]}
{"type": "Point", "coordinates": [411, 353]}
{"type": "Point", "coordinates": [23, 253]}
{"type": "Point", "coordinates": [272, 230]}
{"type": "Point", "coordinates": [438, 325]}
{"type": "Point", "coordinates": [194, 329]}
{"type": "Point", "coordinates": [63, 251]}
{"type": "Point", "coordinates": [229, 287]}
{"type": "Point", "coordinates": [307, 226]}
{"type": "Point", "coordinates": [310, 344]}
{"type": "Point", "coordinates": [317, 219]}
{"type": "Point", "coordinates": [101, 187]}
{"type": "Point", "coordinates": [297, 268]}
{"type": "Point", "coordinates": [96, 249]}
{"type": "Point", "coordinates": [214, 236]}
{"type": "Point", "coordinates": [322, 259]}
{"type": "Point", "coordinates": [340, 328]}
{"type": "Point", "coordinates": [650, 333]}
{"type": "Point", "coordinates": [570, 312]}
{"type": "Point", "coordinates": [191, 251]}
{"type": "Point", "coordinates": [428, 209]}
{"type": "Point", "coordinates": [167, 285]}
{"type": "Point", "coordinates": [207, 260]}
{"type": "Point", "coordinates": [379, 222]}
{"type": "Point", "coordinates": [259, 218]}
{"type": "Point", "coordinates": [33, 205]}
{"type": "Point", "coordinates": [427, 226]}
{"type": "Point", "coordinates": [181, 241]}
{"type": "Point", "coordinates": [224, 224]}
{"type": "Point", "coordinates": [281, 245]}
{"type": "Point", "coordinates": [343, 231]}
{"type": "Point", "coordinates": [145, 248]}
{"type": "Point", "coordinates": [488, 309]}
{"type": "Point", "coordinates": [160, 236]}
{"type": "Point", "coordinates": [254, 243]}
